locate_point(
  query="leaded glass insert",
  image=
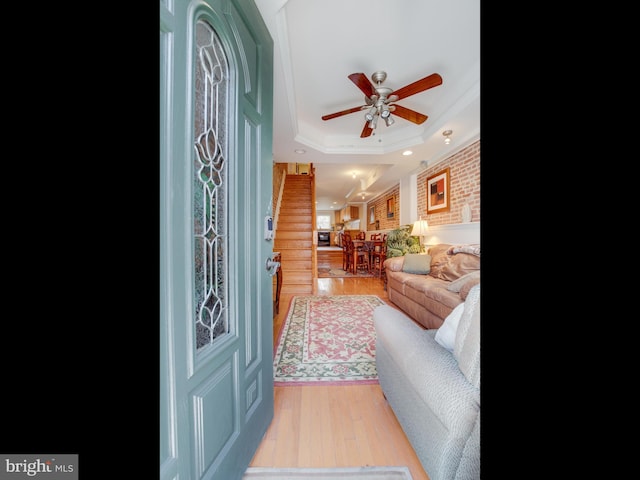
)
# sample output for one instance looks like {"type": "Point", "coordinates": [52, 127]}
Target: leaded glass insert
{"type": "Point", "coordinates": [210, 187]}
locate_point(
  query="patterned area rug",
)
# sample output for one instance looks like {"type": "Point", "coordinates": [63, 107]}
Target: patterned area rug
{"type": "Point", "coordinates": [347, 473]}
{"type": "Point", "coordinates": [328, 339]}
{"type": "Point", "coordinates": [339, 273]}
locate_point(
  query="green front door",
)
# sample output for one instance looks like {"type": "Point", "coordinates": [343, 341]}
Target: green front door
{"type": "Point", "coordinates": [216, 300]}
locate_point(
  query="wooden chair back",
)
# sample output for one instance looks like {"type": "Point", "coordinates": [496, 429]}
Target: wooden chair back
{"type": "Point", "coordinates": [379, 255]}
{"type": "Point", "coordinates": [347, 252]}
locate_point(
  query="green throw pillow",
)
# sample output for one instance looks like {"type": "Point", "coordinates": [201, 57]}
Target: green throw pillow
{"type": "Point", "coordinates": [417, 263]}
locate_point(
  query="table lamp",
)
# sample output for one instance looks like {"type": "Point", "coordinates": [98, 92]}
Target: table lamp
{"type": "Point", "coordinates": [420, 230]}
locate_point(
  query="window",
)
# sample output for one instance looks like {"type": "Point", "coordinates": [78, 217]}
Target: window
{"type": "Point", "coordinates": [212, 89]}
{"type": "Point", "coordinates": [323, 222]}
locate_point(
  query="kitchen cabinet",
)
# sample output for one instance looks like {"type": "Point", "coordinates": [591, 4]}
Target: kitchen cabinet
{"type": "Point", "coordinates": [354, 212]}
{"type": "Point", "coordinates": [343, 215]}
{"type": "Point", "coordinates": [349, 213]}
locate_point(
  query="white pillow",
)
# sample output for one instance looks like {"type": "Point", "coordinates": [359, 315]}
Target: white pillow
{"type": "Point", "coordinates": [446, 334]}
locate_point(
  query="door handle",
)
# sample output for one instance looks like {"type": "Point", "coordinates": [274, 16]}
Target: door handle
{"type": "Point", "coordinates": [271, 266]}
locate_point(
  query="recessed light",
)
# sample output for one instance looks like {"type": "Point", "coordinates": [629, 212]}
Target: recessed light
{"type": "Point", "coordinates": [300, 151]}
{"type": "Point", "coordinates": [407, 152]}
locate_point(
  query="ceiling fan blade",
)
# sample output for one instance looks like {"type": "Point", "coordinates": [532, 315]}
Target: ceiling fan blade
{"type": "Point", "coordinates": [363, 83]}
{"type": "Point", "coordinates": [343, 112]}
{"type": "Point", "coordinates": [418, 86]}
{"type": "Point", "coordinates": [409, 114]}
{"type": "Point", "coordinates": [366, 131]}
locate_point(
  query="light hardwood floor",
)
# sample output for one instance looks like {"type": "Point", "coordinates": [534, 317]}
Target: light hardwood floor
{"type": "Point", "coordinates": [335, 426]}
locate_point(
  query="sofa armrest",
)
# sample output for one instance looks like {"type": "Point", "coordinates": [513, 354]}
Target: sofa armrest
{"type": "Point", "coordinates": [394, 264]}
{"type": "Point", "coordinates": [430, 368]}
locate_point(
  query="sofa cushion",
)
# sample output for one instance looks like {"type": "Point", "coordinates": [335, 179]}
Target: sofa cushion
{"type": "Point", "coordinates": [457, 284]}
{"type": "Point", "coordinates": [439, 258]}
{"type": "Point", "coordinates": [446, 334]}
{"type": "Point", "coordinates": [416, 263]}
{"type": "Point", "coordinates": [451, 267]}
{"type": "Point", "coordinates": [464, 291]}
{"type": "Point", "coordinates": [458, 265]}
{"type": "Point", "coordinates": [417, 287]}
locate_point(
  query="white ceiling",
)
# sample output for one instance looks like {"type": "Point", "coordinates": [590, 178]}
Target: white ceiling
{"type": "Point", "coordinates": [318, 43]}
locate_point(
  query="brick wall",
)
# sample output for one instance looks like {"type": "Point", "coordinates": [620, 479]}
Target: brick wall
{"type": "Point", "coordinates": [464, 177]}
{"type": "Point", "coordinates": [380, 211]}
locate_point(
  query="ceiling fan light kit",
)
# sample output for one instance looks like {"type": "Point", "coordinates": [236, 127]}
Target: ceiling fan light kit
{"type": "Point", "coordinates": [378, 100]}
{"type": "Point", "coordinates": [374, 122]}
{"type": "Point", "coordinates": [370, 114]}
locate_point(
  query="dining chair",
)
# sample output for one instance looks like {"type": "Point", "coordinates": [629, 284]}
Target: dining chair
{"type": "Point", "coordinates": [379, 255]}
{"type": "Point", "coordinates": [347, 254]}
{"type": "Point", "coordinates": [361, 236]}
{"type": "Point", "coordinates": [357, 255]}
{"type": "Point", "coordinates": [362, 260]}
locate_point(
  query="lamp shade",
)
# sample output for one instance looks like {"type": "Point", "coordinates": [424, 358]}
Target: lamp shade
{"type": "Point", "coordinates": [419, 228]}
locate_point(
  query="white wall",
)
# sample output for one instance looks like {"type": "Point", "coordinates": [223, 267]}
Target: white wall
{"type": "Point", "coordinates": [408, 195]}
{"type": "Point", "coordinates": [453, 233]}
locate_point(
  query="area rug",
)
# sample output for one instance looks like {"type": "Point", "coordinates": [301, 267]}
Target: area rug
{"type": "Point", "coordinates": [339, 273]}
{"type": "Point", "coordinates": [347, 473]}
{"type": "Point", "coordinates": [327, 339]}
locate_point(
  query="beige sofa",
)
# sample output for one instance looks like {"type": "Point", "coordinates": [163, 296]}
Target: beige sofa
{"type": "Point", "coordinates": [428, 286]}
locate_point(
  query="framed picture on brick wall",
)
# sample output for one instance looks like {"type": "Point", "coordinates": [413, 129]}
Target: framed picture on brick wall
{"type": "Point", "coordinates": [438, 192]}
{"type": "Point", "coordinates": [391, 207]}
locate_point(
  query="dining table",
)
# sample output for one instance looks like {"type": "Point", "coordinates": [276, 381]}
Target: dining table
{"type": "Point", "coordinates": [366, 245]}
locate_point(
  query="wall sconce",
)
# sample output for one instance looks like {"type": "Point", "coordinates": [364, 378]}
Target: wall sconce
{"type": "Point", "coordinates": [447, 134]}
{"type": "Point", "coordinates": [420, 230]}
{"type": "Point", "coordinates": [354, 175]}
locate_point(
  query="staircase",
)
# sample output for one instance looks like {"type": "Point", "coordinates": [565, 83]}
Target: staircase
{"type": "Point", "coordinates": [294, 236]}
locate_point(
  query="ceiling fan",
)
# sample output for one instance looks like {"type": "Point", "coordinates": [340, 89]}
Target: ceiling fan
{"type": "Point", "coordinates": [379, 99]}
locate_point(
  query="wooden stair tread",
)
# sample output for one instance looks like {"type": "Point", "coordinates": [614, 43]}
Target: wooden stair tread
{"type": "Point", "coordinates": [294, 235]}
